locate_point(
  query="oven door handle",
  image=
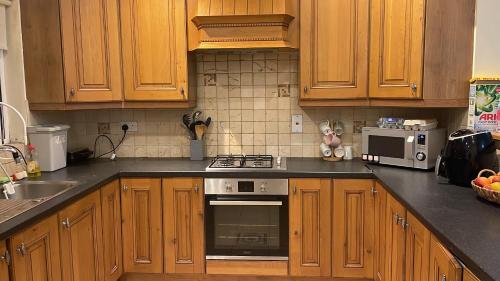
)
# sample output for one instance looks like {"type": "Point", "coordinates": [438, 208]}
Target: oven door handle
{"type": "Point", "coordinates": [246, 203]}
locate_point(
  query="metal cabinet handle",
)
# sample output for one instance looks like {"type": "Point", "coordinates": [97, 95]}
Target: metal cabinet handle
{"type": "Point", "coordinates": [443, 277]}
{"type": "Point", "coordinates": [396, 218]}
{"type": "Point", "coordinates": [124, 188]}
{"type": "Point", "coordinates": [72, 91]}
{"type": "Point", "coordinates": [21, 249]}
{"type": "Point", "coordinates": [196, 188]}
{"type": "Point", "coordinates": [405, 224]}
{"type": "Point", "coordinates": [182, 91]}
{"type": "Point", "coordinates": [294, 188]}
{"type": "Point", "coordinates": [5, 258]}
{"type": "Point", "coordinates": [66, 223]}
{"type": "Point", "coordinates": [413, 87]}
{"type": "Point", "coordinates": [374, 191]}
{"type": "Point", "coordinates": [306, 89]}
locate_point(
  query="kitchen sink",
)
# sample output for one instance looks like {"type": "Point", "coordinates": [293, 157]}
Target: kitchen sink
{"type": "Point", "coordinates": [39, 190]}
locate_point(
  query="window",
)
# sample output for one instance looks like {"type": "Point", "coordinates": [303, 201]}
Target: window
{"type": "Point", "coordinates": [3, 122]}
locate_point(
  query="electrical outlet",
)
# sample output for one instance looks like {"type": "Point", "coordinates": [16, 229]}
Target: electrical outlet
{"type": "Point", "coordinates": [297, 123]}
{"type": "Point", "coordinates": [132, 126]}
{"type": "Point", "coordinates": [103, 128]}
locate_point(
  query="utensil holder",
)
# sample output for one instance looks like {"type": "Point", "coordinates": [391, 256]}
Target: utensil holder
{"type": "Point", "coordinates": [197, 150]}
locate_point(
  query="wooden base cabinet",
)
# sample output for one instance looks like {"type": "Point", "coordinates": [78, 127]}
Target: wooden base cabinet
{"type": "Point", "coordinates": [417, 250]}
{"type": "Point", "coordinates": [36, 253]}
{"type": "Point", "coordinates": [380, 228]}
{"type": "Point", "coordinates": [443, 265]}
{"type": "Point", "coordinates": [310, 232]}
{"type": "Point", "coordinates": [80, 228]}
{"type": "Point", "coordinates": [183, 225]}
{"type": "Point", "coordinates": [353, 228]}
{"type": "Point", "coordinates": [469, 276]}
{"type": "Point", "coordinates": [395, 239]}
{"type": "Point", "coordinates": [112, 231]}
{"type": "Point", "coordinates": [142, 225]}
{"type": "Point", "coordinates": [4, 261]}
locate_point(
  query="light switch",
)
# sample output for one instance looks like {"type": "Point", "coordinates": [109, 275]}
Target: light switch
{"type": "Point", "coordinates": [297, 123]}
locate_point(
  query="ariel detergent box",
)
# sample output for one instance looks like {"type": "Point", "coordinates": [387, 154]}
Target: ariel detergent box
{"type": "Point", "coordinates": [484, 97]}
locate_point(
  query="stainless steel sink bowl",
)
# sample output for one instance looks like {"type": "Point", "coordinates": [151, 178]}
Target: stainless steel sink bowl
{"type": "Point", "coordinates": [39, 190]}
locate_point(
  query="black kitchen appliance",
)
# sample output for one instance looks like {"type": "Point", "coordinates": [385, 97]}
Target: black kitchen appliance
{"type": "Point", "coordinates": [466, 153]}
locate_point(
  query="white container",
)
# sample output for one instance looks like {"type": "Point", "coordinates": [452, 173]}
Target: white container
{"type": "Point", "coordinates": [51, 144]}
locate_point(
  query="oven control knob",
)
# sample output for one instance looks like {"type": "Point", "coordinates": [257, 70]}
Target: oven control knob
{"type": "Point", "coordinates": [421, 156]}
{"type": "Point", "coordinates": [229, 188]}
{"type": "Point", "coordinates": [263, 188]}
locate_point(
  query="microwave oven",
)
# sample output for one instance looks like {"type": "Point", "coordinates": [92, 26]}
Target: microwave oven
{"type": "Point", "coordinates": [405, 148]}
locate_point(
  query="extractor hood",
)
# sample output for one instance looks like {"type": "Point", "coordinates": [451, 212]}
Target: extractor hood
{"type": "Point", "coordinates": [236, 24]}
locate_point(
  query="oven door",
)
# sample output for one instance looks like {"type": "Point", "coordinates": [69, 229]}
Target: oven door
{"type": "Point", "coordinates": [393, 146]}
{"type": "Point", "coordinates": [246, 227]}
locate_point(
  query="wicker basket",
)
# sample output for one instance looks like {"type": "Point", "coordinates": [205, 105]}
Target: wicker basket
{"type": "Point", "coordinates": [490, 195]}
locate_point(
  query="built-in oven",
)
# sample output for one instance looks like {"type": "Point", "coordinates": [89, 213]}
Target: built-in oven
{"type": "Point", "coordinates": [246, 219]}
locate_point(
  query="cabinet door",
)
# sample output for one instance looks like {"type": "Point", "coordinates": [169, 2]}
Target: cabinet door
{"type": "Point", "coordinates": [380, 228]}
{"type": "Point", "coordinates": [417, 250]}
{"type": "Point", "coordinates": [469, 276]}
{"type": "Point", "coordinates": [154, 50]}
{"type": "Point", "coordinates": [4, 261]}
{"type": "Point", "coordinates": [395, 240]}
{"type": "Point", "coordinates": [353, 228]}
{"type": "Point", "coordinates": [142, 225]}
{"type": "Point", "coordinates": [35, 252]}
{"type": "Point", "coordinates": [397, 46]}
{"type": "Point", "coordinates": [443, 265]}
{"type": "Point", "coordinates": [183, 225]}
{"type": "Point", "coordinates": [310, 232]}
{"type": "Point", "coordinates": [91, 49]}
{"type": "Point", "coordinates": [112, 231]}
{"type": "Point", "coordinates": [81, 240]}
{"type": "Point", "coordinates": [334, 49]}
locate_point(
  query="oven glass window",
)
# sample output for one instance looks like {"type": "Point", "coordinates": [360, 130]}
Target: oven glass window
{"type": "Point", "coordinates": [393, 147]}
{"type": "Point", "coordinates": [246, 230]}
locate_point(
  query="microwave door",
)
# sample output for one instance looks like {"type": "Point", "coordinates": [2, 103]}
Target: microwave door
{"type": "Point", "coordinates": [394, 147]}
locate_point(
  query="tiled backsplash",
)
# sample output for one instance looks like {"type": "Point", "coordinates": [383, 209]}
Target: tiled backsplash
{"type": "Point", "coordinates": [251, 96]}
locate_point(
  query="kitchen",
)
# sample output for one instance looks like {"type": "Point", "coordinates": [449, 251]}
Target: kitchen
{"type": "Point", "coordinates": [243, 189]}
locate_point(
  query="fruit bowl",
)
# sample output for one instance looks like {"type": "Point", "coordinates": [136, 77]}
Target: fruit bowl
{"type": "Point", "coordinates": [485, 191]}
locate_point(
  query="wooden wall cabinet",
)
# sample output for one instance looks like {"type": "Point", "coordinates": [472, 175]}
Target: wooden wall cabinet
{"type": "Point", "coordinates": [353, 228]}
{"type": "Point", "coordinates": [154, 50]}
{"type": "Point", "coordinates": [419, 52]}
{"type": "Point", "coordinates": [142, 225]}
{"type": "Point", "coordinates": [443, 265]}
{"type": "Point", "coordinates": [91, 50]}
{"type": "Point", "coordinates": [112, 231]}
{"type": "Point", "coordinates": [183, 225]}
{"type": "Point", "coordinates": [380, 228]}
{"type": "Point", "coordinates": [76, 51]}
{"type": "Point", "coordinates": [334, 49]}
{"type": "Point", "coordinates": [5, 260]}
{"type": "Point", "coordinates": [80, 229]}
{"type": "Point", "coordinates": [310, 227]}
{"type": "Point", "coordinates": [35, 252]}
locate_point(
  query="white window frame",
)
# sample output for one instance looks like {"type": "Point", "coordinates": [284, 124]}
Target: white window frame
{"type": "Point", "coordinates": [4, 122]}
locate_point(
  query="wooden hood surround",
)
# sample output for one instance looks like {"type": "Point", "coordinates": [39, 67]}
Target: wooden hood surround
{"type": "Point", "coordinates": [235, 24]}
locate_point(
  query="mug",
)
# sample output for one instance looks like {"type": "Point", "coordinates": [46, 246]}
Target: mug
{"type": "Point", "coordinates": [332, 140]}
{"type": "Point", "coordinates": [325, 150]}
{"type": "Point", "coordinates": [339, 151]}
{"type": "Point", "coordinates": [325, 127]}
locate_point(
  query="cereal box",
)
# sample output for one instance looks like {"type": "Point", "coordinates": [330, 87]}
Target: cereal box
{"type": "Point", "coordinates": [484, 97]}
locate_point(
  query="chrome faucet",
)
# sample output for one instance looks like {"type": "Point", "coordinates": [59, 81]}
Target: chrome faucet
{"type": "Point", "coordinates": [16, 153]}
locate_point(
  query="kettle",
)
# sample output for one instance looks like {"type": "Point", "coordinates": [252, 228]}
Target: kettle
{"type": "Point", "coordinates": [465, 154]}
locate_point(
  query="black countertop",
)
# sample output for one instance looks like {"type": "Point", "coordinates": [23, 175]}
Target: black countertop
{"type": "Point", "coordinates": [467, 225]}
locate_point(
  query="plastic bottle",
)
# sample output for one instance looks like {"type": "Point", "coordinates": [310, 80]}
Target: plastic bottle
{"type": "Point", "coordinates": [33, 167]}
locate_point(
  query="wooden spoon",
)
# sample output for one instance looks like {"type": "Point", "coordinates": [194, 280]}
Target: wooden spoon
{"type": "Point", "coordinates": [200, 131]}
